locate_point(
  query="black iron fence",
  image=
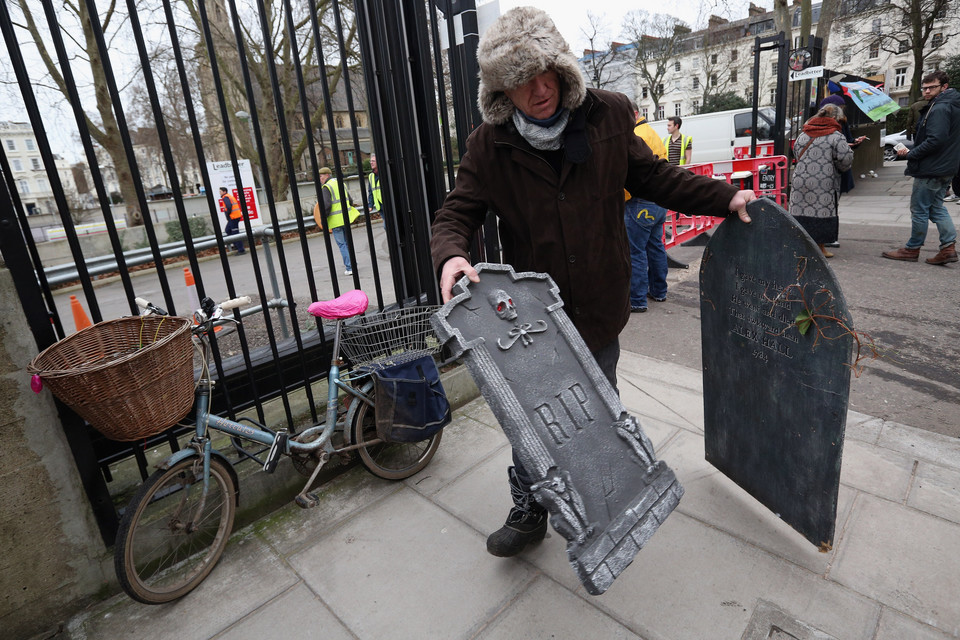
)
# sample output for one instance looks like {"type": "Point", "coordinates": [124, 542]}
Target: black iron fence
{"type": "Point", "coordinates": [278, 88]}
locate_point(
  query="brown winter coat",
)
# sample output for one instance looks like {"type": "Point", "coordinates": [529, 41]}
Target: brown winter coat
{"type": "Point", "coordinates": [569, 226]}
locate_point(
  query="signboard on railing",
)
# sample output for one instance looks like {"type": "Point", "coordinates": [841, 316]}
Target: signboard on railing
{"type": "Point", "coordinates": [222, 175]}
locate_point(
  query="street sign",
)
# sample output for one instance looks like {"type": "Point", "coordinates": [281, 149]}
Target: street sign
{"type": "Point", "coordinates": [806, 74]}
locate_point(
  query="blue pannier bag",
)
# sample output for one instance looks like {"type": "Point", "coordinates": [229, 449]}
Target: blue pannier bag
{"type": "Point", "coordinates": [410, 402]}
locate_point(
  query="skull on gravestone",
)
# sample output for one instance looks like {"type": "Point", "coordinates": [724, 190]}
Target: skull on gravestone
{"type": "Point", "coordinates": [503, 305]}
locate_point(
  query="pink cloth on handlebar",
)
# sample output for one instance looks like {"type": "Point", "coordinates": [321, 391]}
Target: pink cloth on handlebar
{"type": "Point", "coordinates": [351, 303]}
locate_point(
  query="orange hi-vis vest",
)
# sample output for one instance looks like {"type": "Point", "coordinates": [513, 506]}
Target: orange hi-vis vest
{"type": "Point", "coordinates": [233, 212]}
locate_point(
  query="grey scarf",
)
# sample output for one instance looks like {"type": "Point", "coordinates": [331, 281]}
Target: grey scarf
{"type": "Point", "coordinates": [542, 138]}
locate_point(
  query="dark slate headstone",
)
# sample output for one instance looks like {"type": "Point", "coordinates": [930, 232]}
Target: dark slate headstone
{"type": "Point", "coordinates": [775, 398]}
{"type": "Point", "coordinates": [595, 468]}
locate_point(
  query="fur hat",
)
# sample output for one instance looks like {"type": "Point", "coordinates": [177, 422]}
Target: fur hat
{"type": "Point", "coordinates": [520, 45]}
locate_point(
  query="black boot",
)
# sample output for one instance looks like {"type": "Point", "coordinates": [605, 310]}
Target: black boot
{"type": "Point", "coordinates": [526, 523]}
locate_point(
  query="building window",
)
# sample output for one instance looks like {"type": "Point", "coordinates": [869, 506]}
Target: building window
{"type": "Point", "coordinates": [905, 21]}
{"type": "Point", "coordinates": [676, 109]}
{"type": "Point", "coordinates": [660, 112]}
{"type": "Point", "coordinates": [35, 163]}
{"type": "Point", "coordinates": [937, 40]}
{"type": "Point", "coordinates": [659, 89]}
{"type": "Point", "coordinates": [30, 146]}
{"type": "Point", "coordinates": [23, 186]}
{"type": "Point", "coordinates": [900, 76]}
{"type": "Point", "coordinates": [942, 11]}
{"type": "Point", "coordinates": [676, 84]}
{"type": "Point", "coordinates": [733, 76]}
{"type": "Point", "coordinates": [734, 55]}
{"type": "Point", "coordinates": [875, 28]}
{"type": "Point", "coordinates": [903, 47]}
{"type": "Point", "coordinates": [696, 82]}
{"type": "Point", "coordinates": [904, 101]}
{"type": "Point", "coordinates": [773, 68]}
{"type": "Point", "coordinates": [713, 80]}
{"type": "Point", "coordinates": [17, 165]}
{"type": "Point", "coordinates": [874, 50]}
{"type": "Point", "coordinates": [11, 145]}
{"type": "Point", "coordinates": [696, 63]}
{"type": "Point", "coordinates": [773, 95]}
{"type": "Point", "coordinates": [676, 66]}
{"type": "Point", "coordinates": [696, 106]}
{"type": "Point", "coordinates": [643, 92]}
{"type": "Point", "coordinates": [42, 184]}
{"type": "Point", "coordinates": [645, 112]}
{"type": "Point", "coordinates": [847, 55]}
{"type": "Point", "coordinates": [713, 59]}
{"type": "Point", "coordinates": [847, 30]}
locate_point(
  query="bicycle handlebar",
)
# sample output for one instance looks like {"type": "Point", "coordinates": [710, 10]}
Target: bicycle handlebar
{"type": "Point", "coordinates": [226, 305]}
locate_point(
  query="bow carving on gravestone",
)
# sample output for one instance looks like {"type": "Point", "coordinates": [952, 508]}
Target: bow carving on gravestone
{"type": "Point", "coordinates": [506, 310]}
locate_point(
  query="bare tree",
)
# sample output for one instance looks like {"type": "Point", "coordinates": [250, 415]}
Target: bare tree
{"type": "Point", "coordinates": [605, 63]}
{"type": "Point", "coordinates": [284, 49]}
{"type": "Point", "coordinates": [921, 27]}
{"type": "Point", "coordinates": [658, 39]}
{"type": "Point", "coordinates": [77, 28]}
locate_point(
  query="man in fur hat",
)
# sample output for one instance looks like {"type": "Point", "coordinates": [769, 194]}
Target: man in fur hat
{"type": "Point", "coordinates": [551, 160]}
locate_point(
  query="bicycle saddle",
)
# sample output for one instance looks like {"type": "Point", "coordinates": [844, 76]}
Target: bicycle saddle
{"type": "Point", "coordinates": [351, 303]}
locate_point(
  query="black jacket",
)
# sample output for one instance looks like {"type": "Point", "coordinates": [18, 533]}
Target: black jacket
{"type": "Point", "coordinates": [936, 152]}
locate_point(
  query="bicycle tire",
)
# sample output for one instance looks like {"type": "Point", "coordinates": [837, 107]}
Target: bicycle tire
{"type": "Point", "coordinates": [389, 460]}
{"type": "Point", "coordinates": [158, 556]}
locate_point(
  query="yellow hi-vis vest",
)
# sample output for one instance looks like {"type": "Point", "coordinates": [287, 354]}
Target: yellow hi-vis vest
{"type": "Point", "coordinates": [684, 143]}
{"type": "Point", "coordinates": [335, 219]}
{"type": "Point", "coordinates": [374, 181]}
{"type": "Point", "coordinates": [646, 133]}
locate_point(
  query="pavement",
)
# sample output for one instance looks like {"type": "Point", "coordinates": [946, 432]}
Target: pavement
{"type": "Point", "coordinates": [379, 559]}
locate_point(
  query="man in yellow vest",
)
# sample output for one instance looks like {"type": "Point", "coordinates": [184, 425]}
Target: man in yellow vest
{"type": "Point", "coordinates": [644, 221]}
{"type": "Point", "coordinates": [330, 208]}
{"type": "Point", "coordinates": [374, 197]}
{"type": "Point", "coordinates": [679, 147]}
{"type": "Point", "coordinates": [231, 209]}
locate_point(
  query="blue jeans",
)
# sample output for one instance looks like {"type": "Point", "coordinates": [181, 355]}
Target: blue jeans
{"type": "Point", "coordinates": [230, 229]}
{"type": "Point", "coordinates": [341, 239]}
{"type": "Point", "coordinates": [926, 206]}
{"type": "Point", "coordinates": [648, 257]}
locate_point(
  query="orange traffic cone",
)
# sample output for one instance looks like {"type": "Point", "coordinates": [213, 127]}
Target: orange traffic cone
{"type": "Point", "coordinates": [193, 299]}
{"type": "Point", "coordinates": [80, 318]}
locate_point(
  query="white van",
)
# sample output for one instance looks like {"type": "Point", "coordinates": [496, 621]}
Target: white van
{"type": "Point", "coordinates": [724, 135]}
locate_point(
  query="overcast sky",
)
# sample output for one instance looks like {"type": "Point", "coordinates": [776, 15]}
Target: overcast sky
{"type": "Point", "coordinates": [570, 16]}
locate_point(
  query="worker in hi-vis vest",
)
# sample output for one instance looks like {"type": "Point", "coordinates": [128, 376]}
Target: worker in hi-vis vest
{"type": "Point", "coordinates": [374, 197]}
{"type": "Point", "coordinates": [679, 147]}
{"type": "Point", "coordinates": [328, 213]}
{"type": "Point", "coordinates": [231, 209]}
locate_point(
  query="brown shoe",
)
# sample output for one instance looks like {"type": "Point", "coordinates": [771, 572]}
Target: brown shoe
{"type": "Point", "coordinates": [945, 255]}
{"type": "Point", "coordinates": [903, 253]}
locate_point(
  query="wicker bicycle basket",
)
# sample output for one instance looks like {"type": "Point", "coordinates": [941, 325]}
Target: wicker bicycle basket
{"type": "Point", "coordinates": [130, 378]}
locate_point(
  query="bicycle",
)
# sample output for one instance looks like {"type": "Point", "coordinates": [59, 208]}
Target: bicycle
{"type": "Point", "coordinates": [176, 526]}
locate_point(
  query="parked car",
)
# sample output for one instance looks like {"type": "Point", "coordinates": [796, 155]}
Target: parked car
{"type": "Point", "coordinates": [889, 141]}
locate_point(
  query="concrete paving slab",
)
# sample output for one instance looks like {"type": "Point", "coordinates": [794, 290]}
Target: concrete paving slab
{"type": "Point", "coordinates": [480, 411]}
{"type": "Point", "coordinates": [401, 569]}
{"type": "Point", "coordinates": [936, 490]}
{"type": "Point", "coordinates": [876, 470]}
{"type": "Point", "coordinates": [649, 368]}
{"type": "Point", "coordinates": [290, 528]}
{"type": "Point", "coordinates": [248, 575]}
{"type": "Point", "coordinates": [903, 558]}
{"type": "Point", "coordinates": [548, 610]}
{"type": "Point", "coordinates": [862, 427]}
{"type": "Point", "coordinates": [716, 500]}
{"type": "Point", "coordinates": [693, 581]}
{"type": "Point", "coordinates": [770, 621]}
{"type": "Point", "coordinates": [297, 613]}
{"type": "Point", "coordinates": [660, 401]}
{"type": "Point", "coordinates": [896, 626]}
{"type": "Point", "coordinates": [926, 445]}
{"type": "Point", "coordinates": [465, 443]}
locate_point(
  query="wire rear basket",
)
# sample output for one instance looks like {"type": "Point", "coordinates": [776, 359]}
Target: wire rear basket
{"type": "Point", "coordinates": [389, 337]}
{"type": "Point", "coordinates": [130, 378]}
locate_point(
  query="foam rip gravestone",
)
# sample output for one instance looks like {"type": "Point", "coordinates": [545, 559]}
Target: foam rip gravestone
{"type": "Point", "coordinates": [775, 381]}
{"type": "Point", "coordinates": [597, 474]}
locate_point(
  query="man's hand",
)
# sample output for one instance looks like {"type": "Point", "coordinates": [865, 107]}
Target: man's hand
{"type": "Point", "coordinates": [902, 150]}
{"type": "Point", "coordinates": [739, 204]}
{"type": "Point", "coordinates": [451, 272]}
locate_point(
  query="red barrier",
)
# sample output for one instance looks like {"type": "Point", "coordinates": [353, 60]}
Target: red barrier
{"type": "Point", "coordinates": [767, 176]}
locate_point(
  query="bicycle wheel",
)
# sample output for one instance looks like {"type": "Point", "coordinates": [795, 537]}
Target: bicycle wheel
{"type": "Point", "coordinates": [169, 538]}
{"type": "Point", "coordinates": [389, 460]}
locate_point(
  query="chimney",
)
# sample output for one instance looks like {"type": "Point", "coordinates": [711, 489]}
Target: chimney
{"type": "Point", "coordinates": [716, 21]}
{"type": "Point", "coordinates": [754, 10]}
